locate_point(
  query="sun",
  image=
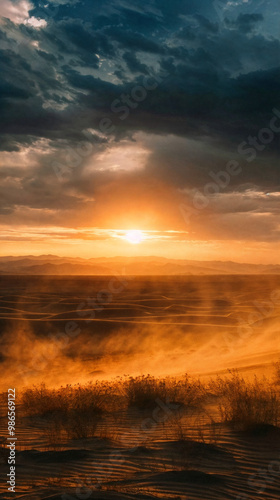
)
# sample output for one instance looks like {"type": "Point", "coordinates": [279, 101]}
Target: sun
{"type": "Point", "coordinates": [134, 236]}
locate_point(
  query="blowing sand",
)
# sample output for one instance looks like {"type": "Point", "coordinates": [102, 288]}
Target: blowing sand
{"type": "Point", "coordinates": [170, 447]}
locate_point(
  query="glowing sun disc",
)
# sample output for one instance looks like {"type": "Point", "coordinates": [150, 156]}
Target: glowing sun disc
{"type": "Point", "coordinates": [134, 236]}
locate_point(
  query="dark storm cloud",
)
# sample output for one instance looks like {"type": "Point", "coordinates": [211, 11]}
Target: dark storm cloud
{"type": "Point", "coordinates": [133, 64]}
{"type": "Point", "coordinates": [206, 24]}
{"type": "Point", "coordinates": [245, 23]}
{"type": "Point", "coordinates": [134, 40]}
{"type": "Point", "coordinates": [221, 84]}
{"type": "Point", "coordinates": [202, 86]}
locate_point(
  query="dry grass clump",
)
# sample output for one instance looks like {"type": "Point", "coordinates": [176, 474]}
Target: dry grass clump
{"type": "Point", "coordinates": [144, 391]}
{"type": "Point", "coordinates": [191, 391]}
{"type": "Point", "coordinates": [247, 405]}
{"type": "Point", "coordinates": [41, 401]}
{"type": "Point", "coordinates": [74, 410]}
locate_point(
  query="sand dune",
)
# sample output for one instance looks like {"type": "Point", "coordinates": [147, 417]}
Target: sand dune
{"type": "Point", "coordinates": [162, 326]}
{"type": "Point", "coordinates": [151, 464]}
{"type": "Point", "coordinates": [167, 326]}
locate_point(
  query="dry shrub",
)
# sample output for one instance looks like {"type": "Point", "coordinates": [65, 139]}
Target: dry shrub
{"type": "Point", "coordinates": [81, 424]}
{"type": "Point", "coordinates": [247, 405]}
{"type": "Point", "coordinates": [190, 391]}
{"type": "Point", "coordinates": [75, 410]}
{"type": "Point", "coordinates": [179, 427]}
{"type": "Point", "coordinates": [208, 431]}
{"type": "Point", "coordinates": [39, 400]}
{"type": "Point", "coordinates": [54, 435]}
{"type": "Point", "coordinates": [194, 424]}
{"type": "Point", "coordinates": [144, 391]}
{"type": "Point", "coordinates": [42, 401]}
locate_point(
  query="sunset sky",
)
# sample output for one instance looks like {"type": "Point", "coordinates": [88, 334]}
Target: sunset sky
{"type": "Point", "coordinates": [160, 117]}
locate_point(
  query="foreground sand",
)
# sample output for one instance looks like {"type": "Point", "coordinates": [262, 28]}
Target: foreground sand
{"type": "Point", "coordinates": [204, 325]}
{"type": "Point", "coordinates": [186, 454]}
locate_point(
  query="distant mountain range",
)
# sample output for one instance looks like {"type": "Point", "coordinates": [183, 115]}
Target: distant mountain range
{"type": "Point", "coordinates": [54, 265]}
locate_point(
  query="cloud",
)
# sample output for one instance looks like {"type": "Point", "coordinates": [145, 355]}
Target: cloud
{"type": "Point", "coordinates": [64, 66]}
{"type": "Point", "coordinates": [17, 10]}
{"type": "Point", "coordinates": [36, 23]}
{"type": "Point", "coordinates": [133, 64]}
{"type": "Point", "coordinates": [245, 23]}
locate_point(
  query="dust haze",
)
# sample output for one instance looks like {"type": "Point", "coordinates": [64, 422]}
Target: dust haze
{"type": "Point", "coordinates": [65, 330]}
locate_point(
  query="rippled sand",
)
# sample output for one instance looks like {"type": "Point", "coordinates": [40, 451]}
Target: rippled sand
{"type": "Point", "coordinates": [200, 325]}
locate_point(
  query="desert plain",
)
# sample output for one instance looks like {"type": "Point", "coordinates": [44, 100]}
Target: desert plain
{"type": "Point", "coordinates": [142, 387]}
